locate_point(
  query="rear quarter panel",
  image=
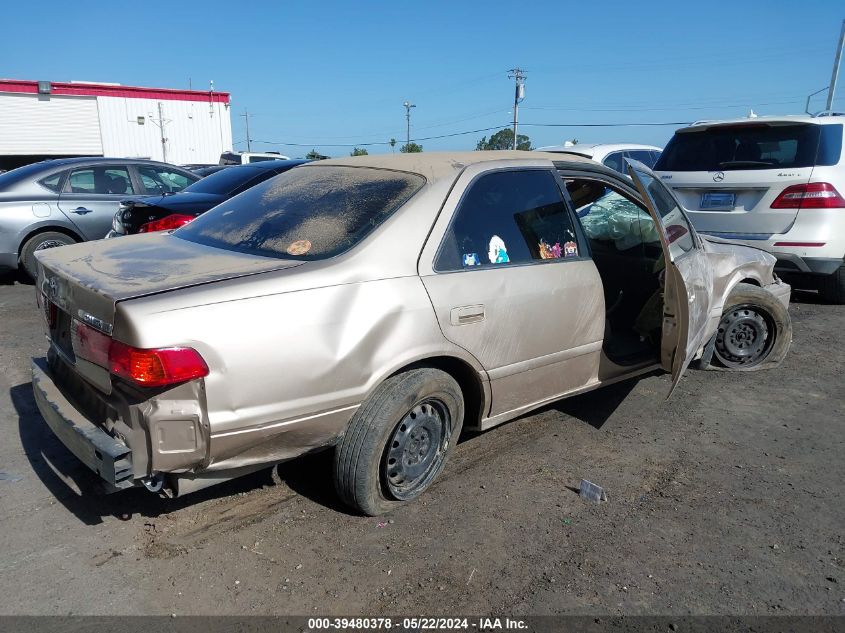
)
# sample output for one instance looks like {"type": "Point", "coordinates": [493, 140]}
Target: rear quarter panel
{"type": "Point", "coordinates": [288, 369]}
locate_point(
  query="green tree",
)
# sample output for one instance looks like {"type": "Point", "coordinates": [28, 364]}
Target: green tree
{"type": "Point", "coordinates": [358, 151]}
{"type": "Point", "coordinates": [392, 144]}
{"type": "Point", "coordinates": [411, 148]}
{"type": "Point", "coordinates": [503, 139]}
{"type": "Point", "coordinates": [315, 155]}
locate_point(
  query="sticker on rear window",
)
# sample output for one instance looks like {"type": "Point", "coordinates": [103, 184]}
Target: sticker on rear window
{"type": "Point", "coordinates": [550, 252]}
{"type": "Point", "coordinates": [497, 252]}
{"type": "Point", "coordinates": [299, 247]}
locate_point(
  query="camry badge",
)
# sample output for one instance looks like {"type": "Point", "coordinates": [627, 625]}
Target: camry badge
{"type": "Point", "coordinates": [719, 176]}
{"type": "Point", "coordinates": [99, 324]}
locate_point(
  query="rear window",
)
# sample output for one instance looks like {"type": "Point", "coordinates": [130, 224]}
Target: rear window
{"type": "Point", "coordinates": [308, 213]}
{"type": "Point", "coordinates": [752, 146]}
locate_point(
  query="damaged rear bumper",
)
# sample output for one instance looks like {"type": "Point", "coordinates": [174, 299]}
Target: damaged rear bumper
{"type": "Point", "coordinates": [110, 458]}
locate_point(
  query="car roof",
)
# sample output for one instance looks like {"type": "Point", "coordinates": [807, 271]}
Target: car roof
{"type": "Point", "coordinates": [591, 149]}
{"type": "Point", "coordinates": [438, 165]}
{"type": "Point", "coordinates": [783, 119]}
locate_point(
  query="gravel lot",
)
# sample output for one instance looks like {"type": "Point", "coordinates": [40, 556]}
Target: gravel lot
{"type": "Point", "coordinates": [726, 499]}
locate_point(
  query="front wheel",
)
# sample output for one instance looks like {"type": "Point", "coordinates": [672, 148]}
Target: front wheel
{"type": "Point", "coordinates": [398, 440]}
{"type": "Point", "coordinates": [755, 330]}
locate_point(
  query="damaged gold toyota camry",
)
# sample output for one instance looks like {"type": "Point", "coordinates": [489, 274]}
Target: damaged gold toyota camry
{"type": "Point", "coordinates": [376, 306]}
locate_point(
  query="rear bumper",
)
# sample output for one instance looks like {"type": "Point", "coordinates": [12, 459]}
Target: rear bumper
{"type": "Point", "coordinates": [110, 458]}
{"type": "Point", "coordinates": [789, 263]}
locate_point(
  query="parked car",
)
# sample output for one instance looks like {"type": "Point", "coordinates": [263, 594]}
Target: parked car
{"type": "Point", "coordinates": [244, 158]}
{"type": "Point", "coordinates": [170, 211]}
{"type": "Point", "coordinates": [612, 155]}
{"type": "Point", "coordinates": [377, 305]}
{"type": "Point", "coordinates": [776, 183]}
{"type": "Point", "coordinates": [62, 201]}
{"type": "Point", "coordinates": [211, 169]}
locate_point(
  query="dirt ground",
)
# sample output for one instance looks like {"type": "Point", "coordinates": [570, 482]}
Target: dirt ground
{"type": "Point", "coordinates": [729, 498]}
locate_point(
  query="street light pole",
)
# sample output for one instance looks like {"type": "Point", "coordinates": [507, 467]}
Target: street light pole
{"type": "Point", "coordinates": [835, 74]}
{"type": "Point", "coordinates": [408, 105]}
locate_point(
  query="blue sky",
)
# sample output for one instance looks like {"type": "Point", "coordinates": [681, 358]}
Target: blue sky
{"type": "Point", "coordinates": [327, 73]}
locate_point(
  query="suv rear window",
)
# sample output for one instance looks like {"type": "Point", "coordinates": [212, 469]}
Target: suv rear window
{"type": "Point", "coordinates": [306, 214]}
{"type": "Point", "coordinates": [752, 146]}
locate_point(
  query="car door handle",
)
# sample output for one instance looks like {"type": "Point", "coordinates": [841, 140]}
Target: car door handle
{"type": "Point", "coordinates": [464, 315]}
{"type": "Point", "coordinates": [82, 211]}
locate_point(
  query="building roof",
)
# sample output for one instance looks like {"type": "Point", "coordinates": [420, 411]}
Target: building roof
{"type": "Point", "coordinates": [82, 89]}
{"type": "Point", "coordinates": [435, 165]}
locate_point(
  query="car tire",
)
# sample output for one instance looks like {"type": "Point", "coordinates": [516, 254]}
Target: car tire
{"type": "Point", "coordinates": [832, 287]}
{"type": "Point", "coordinates": [398, 440]}
{"type": "Point", "coordinates": [40, 241]}
{"type": "Point", "coordinates": [755, 331]}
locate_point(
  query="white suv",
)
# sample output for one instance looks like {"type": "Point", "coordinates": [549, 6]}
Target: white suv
{"type": "Point", "coordinates": [611, 155]}
{"type": "Point", "coordinates": [244, 158]}
{"type": "Point", "coordinates": [776, 183]}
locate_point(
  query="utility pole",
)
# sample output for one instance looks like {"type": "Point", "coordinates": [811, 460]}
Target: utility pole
{"type": "Point", "coordinates": [519, 94]}
{"type": "Point", "coordinates": [161, 122]}
{"type": "Point", "coordinates": [408, 105]}
{"type": "Point", "coordinates": [835, 74]}
{"type": "Point", "coordinates": [246, 116]}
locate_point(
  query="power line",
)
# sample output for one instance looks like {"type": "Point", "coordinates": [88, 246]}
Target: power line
{"type": "Point", "coordinates": [486, 129]}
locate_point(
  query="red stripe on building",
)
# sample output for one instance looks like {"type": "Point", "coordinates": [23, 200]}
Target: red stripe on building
{"type": "Point", "coordinates": [99, 90]}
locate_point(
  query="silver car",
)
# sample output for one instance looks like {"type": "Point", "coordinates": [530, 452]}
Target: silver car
{"type": "Point", "coordinates": [377, 306]}
{"type": "Point", "coordinates": [63, 201]}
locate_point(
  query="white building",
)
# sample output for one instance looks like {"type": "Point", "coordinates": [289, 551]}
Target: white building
{"type": "Point", "coordinates": [40, 120]}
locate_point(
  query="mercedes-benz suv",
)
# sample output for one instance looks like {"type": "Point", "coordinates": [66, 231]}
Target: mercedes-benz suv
{"type": "Point", "coordinates": [772, 182]}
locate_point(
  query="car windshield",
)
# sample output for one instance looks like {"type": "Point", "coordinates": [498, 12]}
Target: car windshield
{"type": "Point", "coordinates": [749, 146]}
{"type": "Point", "coordinates": [307, 213]}
{"type": "Point", "coordinates": [224, 181]}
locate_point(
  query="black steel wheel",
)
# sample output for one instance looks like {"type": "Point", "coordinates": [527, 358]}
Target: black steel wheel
{"type": "Point", "coordinates": [415, 451]}
{"type": "Point", "coordinates": [745, 336]}
{"type": "Point", "coordinates": [399, 440]}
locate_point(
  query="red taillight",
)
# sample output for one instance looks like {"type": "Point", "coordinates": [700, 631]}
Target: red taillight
{"type": "Point", "coordinates": [144, 367]}
{"type": "Point", "coordinates": [813, 195]}
{"type": "Point", "coordinates": [173, 221]}
{"type": "Point", "coordinates": [155, 367]}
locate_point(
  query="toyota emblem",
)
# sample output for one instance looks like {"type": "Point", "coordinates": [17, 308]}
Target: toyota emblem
{"type": "Point", "coordinates": [719, 176]}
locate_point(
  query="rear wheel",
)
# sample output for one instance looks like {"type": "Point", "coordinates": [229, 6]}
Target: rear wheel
{"type": "Point", "coordinates": [398, 440]}
{"type": "Point", "coordinates": [832, 287]}
{"type": "Point", "coordinates": [38, 242]}
{"type": "Point", "coordinates": [755, 330]}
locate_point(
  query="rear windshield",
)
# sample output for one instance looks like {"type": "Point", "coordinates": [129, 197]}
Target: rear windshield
{"type": "Point", "coordinates": [752, 146]}
{"type": "Point", "coordinates": [307, 213]}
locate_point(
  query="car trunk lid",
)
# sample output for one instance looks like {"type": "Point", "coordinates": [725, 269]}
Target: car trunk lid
{"type": "Point", "coordinates": [727, 175]}
{"type": "Point", "coordinates": [737, 201]}
{"type": "Point", "coordinates": [84, 282]}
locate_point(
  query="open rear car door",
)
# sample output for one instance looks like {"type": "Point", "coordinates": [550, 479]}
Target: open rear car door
{"type": "Point", "coordinates": [689, 279]}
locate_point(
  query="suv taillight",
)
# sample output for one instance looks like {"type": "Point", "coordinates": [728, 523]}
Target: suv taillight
{"type": "Point", "coordinates": [143, 367]}
{"type": "Point", "coordinates": [173, 221]}
{"type": "Point", "coordinates": [814, 195]}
